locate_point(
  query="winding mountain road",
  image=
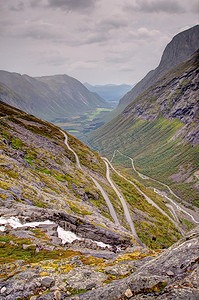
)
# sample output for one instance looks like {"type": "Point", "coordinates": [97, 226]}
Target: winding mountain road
{"type": "Point", "coordinates": [99, 187]}
{"type": "Point", "coordinates": [172, 210]}
{"type": "Point", "coordinates": [155, 190]}
{"type": "Point", "coordinates": [145, 196]}
{"type": "Point", "coordinates": [69, 148]}
{"type": "Point", "coordinates": [123, 202]}
{"type": "Point", "coordinates": [144, 176]}
{"type": "Point", "coordinates": [177, 206]}
{"type": "Point", "coordinates": [108, 202]}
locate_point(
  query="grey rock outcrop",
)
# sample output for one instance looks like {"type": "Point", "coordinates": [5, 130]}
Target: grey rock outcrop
{"type": "Point", "coordinates": [85, 278]}
{"type": "Point", "coordinates": [182, 46]}
{"type": "Point", "coordinates": [172, 275]}
{"type": "Point", "coordinates": [174, 96]}
{"type": "Point", "coordinates": [82, 228]}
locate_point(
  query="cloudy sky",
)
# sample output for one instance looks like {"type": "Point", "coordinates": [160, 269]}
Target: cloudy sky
{"type": "Point", "coordinates": [95, 41]}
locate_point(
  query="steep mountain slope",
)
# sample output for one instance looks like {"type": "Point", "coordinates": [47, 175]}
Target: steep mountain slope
{"type": "Point", "coordinates": [58, 236]}
{"type": "Point", "coordinates": [159, 129]}
{"type": "Point", "coordinates": [182, 46]}
{"type": "Point", "coordinates": [110, 92]}
{"type": "Point", "coordinates": [39, 169]}
{"type": "Point", "coordinates": [72, 93]}
{"type": "Point", "coordinates": [10, 96]}
{"type": "Point", "coordinates": [51, 97]}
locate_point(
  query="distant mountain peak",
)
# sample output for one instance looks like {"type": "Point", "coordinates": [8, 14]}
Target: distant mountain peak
{"type": "Point", "coordinates": [110, 92]}
{"type": "Point", "coordinates": [181, 47]}
{"type": "Point", "coordinates": [50, 97]}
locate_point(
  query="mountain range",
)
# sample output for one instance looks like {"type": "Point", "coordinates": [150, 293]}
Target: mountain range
{"type": "Point", "coordinates": [110, 92]}
{"type": "Point", "coordinates": [78, 225]}
{"type": "Point", "coordinates": [48, 97]}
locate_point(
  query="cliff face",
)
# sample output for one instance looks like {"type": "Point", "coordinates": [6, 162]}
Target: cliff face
{"type": "Point", "coordinates": [182, 46]}
{"type": "Point", "coordinates": [159, 129]}
{"type": "Point", "coordinates": [174, 96]}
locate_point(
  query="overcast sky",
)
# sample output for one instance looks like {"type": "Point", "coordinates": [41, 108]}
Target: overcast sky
{"type": "Point", "coordinates": [95, 41]}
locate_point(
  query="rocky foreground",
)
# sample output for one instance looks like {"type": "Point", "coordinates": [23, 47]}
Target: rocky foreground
{"type": "Point", "coordinates": [36, 264]}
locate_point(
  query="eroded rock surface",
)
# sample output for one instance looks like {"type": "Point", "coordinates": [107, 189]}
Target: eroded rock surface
{"type": "Point", "coordinates": [172, 275]}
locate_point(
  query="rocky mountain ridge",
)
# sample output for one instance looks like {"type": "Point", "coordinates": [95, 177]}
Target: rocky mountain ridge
{"type": "Point", "coordinates": [48, 97]}
{"type": "Point", "coordinates": [174, 96]}
{"type": "Point", "coordinates": [182, 46]}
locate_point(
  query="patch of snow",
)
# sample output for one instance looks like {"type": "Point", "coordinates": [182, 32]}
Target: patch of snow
{"type": "Point", "coordinates": [14, 222]}
{"type": "Point", "coordinates": [3, 289]}
{"type": "Point", "coordinates": [66, 236]}
{"type": "Point", "coordinates": [2, 228]}
{"type": "Point", "coordinates": [103, 245]}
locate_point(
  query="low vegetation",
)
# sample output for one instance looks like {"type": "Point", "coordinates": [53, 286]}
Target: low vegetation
{"type": "Point", "coordinates": [159, 131]}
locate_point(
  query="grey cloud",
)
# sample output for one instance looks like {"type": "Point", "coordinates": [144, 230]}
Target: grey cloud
{"type": "Point", "coordinates": [195, 8]}
{"type": "Point", "coordinates": [102, 26]}
{"type": "Point", "coordinates": [143, 34]}
{"type": "Point", "coordinates": [92, 61]}
{"type": "Point", "coordinates": [39, 34]}
{"type": "Point", "coordinates": [113, 23]}
{"type": "Point", "coordinates": [35, 31]}
{"type": "Point", "coordinates": [18, 7]}
{"type": "Point", "coordinates": [35, 3]}
{"type": "Point", "coordinates": [101, 31]}
{"type": "Point", "coordinates": [120, 59]}
{"type": "Point", "coordinates": [155, 6]}
{"type": "Point", "coordinates": [53, 60]}
{"type": "Point", "coordinates": [95, 38]}
{"type": "Point", "coordinates": [72, 5]}
{"type": "Point", "coordinates": [128, 70]}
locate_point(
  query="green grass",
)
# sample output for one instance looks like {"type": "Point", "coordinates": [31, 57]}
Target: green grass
{"type": "Point", "coordinates": [17, 144]}
{"type": "Point", "coordinates": [97, 112]}
{"type": "Point", "coordinates": [154, 153]}
{"type": "Point", "coordinates": [10, 253]}
{"type": "Point", "coordinates": [151, 223]}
